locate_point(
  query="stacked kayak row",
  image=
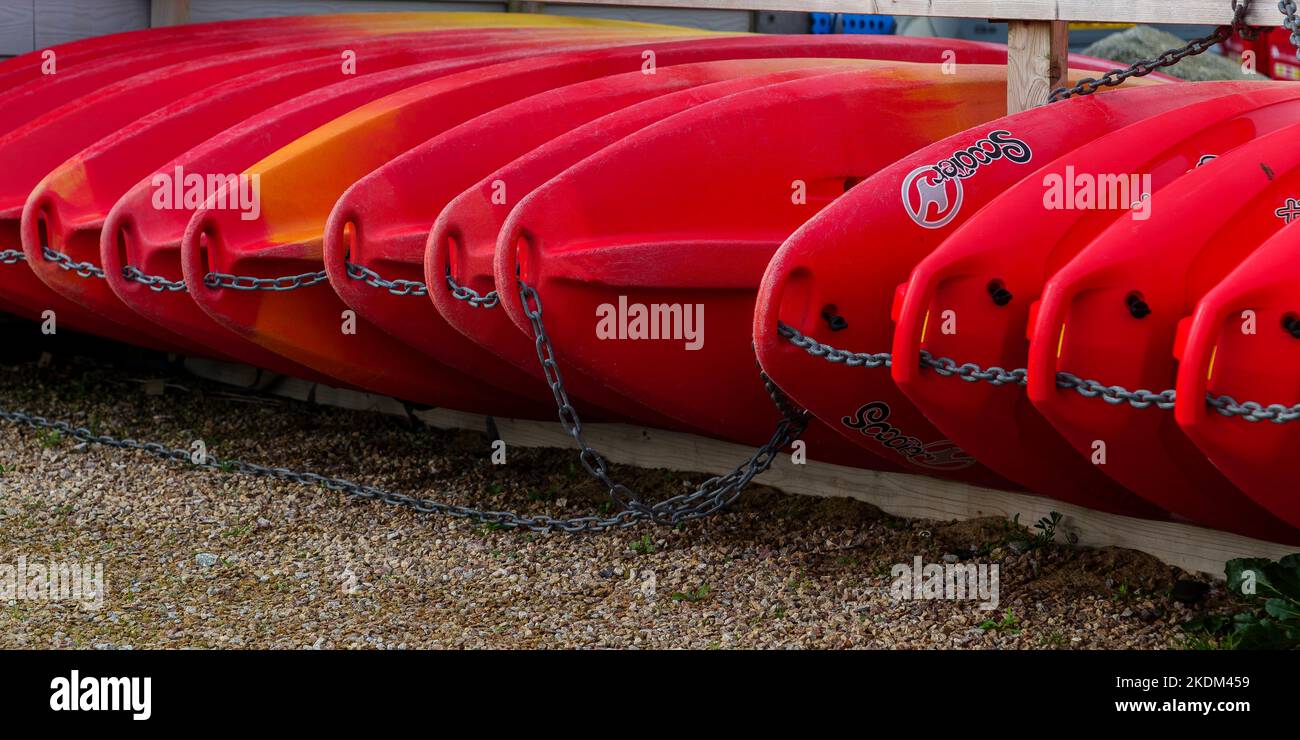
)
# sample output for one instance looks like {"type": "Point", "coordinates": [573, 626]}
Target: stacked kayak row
{"type": "Point", "coordinates": [386, 202]}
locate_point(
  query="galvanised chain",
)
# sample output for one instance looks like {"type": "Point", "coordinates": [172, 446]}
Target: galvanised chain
{"type": "Point", "coordinates": [972, 373]}
{"type": "Point", "coordinates": [1112, 394]}
{"type": "Point", "coordinates": [352, 490]}
{"type": "Point", "coordinates": [831, 354]}
{"type": "Point", "coordinates": [12, 256]}
{"type": "Point", "coordinates": [63, 261]}
{"type": "Point", "coordinates": [1291, 22]}
{"type": "Point", "coordinates": [156, 283]}
{"type": "Point", "coordinates": [396, 287]}
{"type": "Point", "coordinates": [1173, 56]}
{"type": "Point", "coordinates": [1252, 411]}
{"type": "Point", "coordinates": [471, 296]}
{"type": "Point", "coordinates": [1115, 394]}
{"type": "Point", "coordinates": [243, 282]}
{"type": "Point", "coordinates": [714, 494]}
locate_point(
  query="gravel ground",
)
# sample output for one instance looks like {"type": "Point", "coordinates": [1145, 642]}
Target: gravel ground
{"type": "Point", "coordinates": [197, 559]}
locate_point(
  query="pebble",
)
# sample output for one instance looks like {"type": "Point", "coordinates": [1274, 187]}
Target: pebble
{"type": "Point", "coordinates": [308, 568]}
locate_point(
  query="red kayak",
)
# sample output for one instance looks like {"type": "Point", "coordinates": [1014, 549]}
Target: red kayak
{"type": "Point", "coordinates": [834, 280]}
{"type": "Point", "coordinates": [53, 62]}
{"type": "Point", "coordinates": [76, 197]}
{"type": "Point", "coordinates": [1241, 351]}
{"type": "Point", "coordinates": [638, 248]}
{"type": "Point", "coordinates": [988, 284]}
{"type": "Point", "coordinates": [42, 145]}
{"type": "Point", "coordinates": [462, 244]}
{"type": "Point", "coordinates": [299, 192]}
{"type": "Point", "coordinates": [378, 230]}
{"type": "Point", "coordinates": [1101, 357]}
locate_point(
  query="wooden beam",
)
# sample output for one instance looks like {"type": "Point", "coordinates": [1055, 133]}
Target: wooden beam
{"type": "Point", "coordinates": [1194, 549]}
{"type": "Point", "coordinates": [168, 12]}
{"type": "Point", "coordinates": [1204, 12]}
{"type": "Point", "coordinates": [1037, 54]}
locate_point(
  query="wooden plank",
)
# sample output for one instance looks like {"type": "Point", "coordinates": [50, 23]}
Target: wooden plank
{"type": "Point", "coordinates": [1194, 549]}
{"type": "Point", "coordinates": [17, 27]}
{"type": "Point", "coordinates": [1036, 62]}
{"type": "Point", "coordinates": [169, 12]}
{"type": "Point", "coordinates": [1204, 12]}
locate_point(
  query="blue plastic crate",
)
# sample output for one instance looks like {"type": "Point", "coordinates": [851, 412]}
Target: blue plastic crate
{"type": "Point", "coordinates": [868, 24]}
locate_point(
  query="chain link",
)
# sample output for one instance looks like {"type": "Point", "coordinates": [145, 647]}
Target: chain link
{"type": "Point", "coordinates": [1115, 394]}
{"type": "Point", "coordinates": [12, 256]}
{"type": "Point", "coordinates": [156, 283]}
{"type": "Point", "coordinates": [396, 287]}
{"type": "Point", "coordinates": [540, 523]}
{"type": "Point", "coordinates": [972, 373]}
{"type": "Point", "coordinates": [216, 280]}
{"type": "Point", "coordinates": [1252, 411]}
{"type": "Point", "coordinates": [471, 296]}
{"type": "Point", "coordinates": [714, 494]}
{"type": "Point", "coordinates": [1171, 57]}
{"type": "Point", "coordinates": [1112, 394]}
{"type": "Point", "coordinates": [831, 354]}
{"type": "Point", "coordinates": [1291, 22]}
{"type": "Point", "coordinates": [64, 262]}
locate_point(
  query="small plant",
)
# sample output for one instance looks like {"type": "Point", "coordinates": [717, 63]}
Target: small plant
{"type": "Point", "coordinates": [1047, 528]}
{"type": "Point", "coordinates": [494, 488]}
{"type": "Point", "coordinates": [1054, 639]}
{"type": "Point", "coordinates": [693, 596]}
{"type": "Point", "coordinates": [50, 438]}
{"type": "Point", "coordinates": [1122, 593]}
{"type": "Point", "coordinates": [1270, 591]}
{"type": "Point", "coordinates": [643, 546]}
{"type": "Point", "coordinates": [1009, 623]}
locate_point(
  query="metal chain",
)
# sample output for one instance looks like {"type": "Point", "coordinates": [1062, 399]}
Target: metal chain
{"type": "Point", "coordinates": [156, 283]}
{"type": "Point", "coordinates": [471, 296]}
{"type": "Point", "coordinates": [396, 287]}
{"type": "Point", "coordinates": [64, 262]}
{"type": "Point", "coordinates": [1145, 67]}
{"type": "Point", "coordinates": [1291, 22]}
{"type": "Point", "coordinates": [280, 284]}
{"type": "Point", "coordinates": [714, 494]}
{"type": "Point", "coordinates": [1115, 394]}
{"type": "Point", "coordinates": [12, 256]}
{"type": "Point", "coordinates": [1252, 411]}
{"type": "Point", "coordinates": [213, 463]}
{"type": "Point", "coordinates": [1112, 394]}
{"type": "Point", "coordinates": [831, 354]}
{"type": "Point", "coordinates": [972, 373]}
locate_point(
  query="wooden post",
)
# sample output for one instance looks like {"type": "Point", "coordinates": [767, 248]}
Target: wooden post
{"type": "Point", "coordinates": [169, 12]}
{"type": "Point", "coordinates": [1037, 62]}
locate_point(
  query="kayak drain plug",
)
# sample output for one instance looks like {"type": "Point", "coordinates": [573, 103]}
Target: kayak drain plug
{"type": "Point", "coordinates": [1291, 323]}
{"type": "Point", "coordinates": [1137, 306]}
{"type": "Point", "coordinates": [834, 320]}
{"type": "Point", "coordinates": [999, 293]}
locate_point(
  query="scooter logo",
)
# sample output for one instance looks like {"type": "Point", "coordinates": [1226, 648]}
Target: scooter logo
{"type": "Point", "coordinates": [872, 420]}
{"type": "Point", "coordinates": [930, 203]}
{"type": "Point", "coordinates": [933, 194]}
